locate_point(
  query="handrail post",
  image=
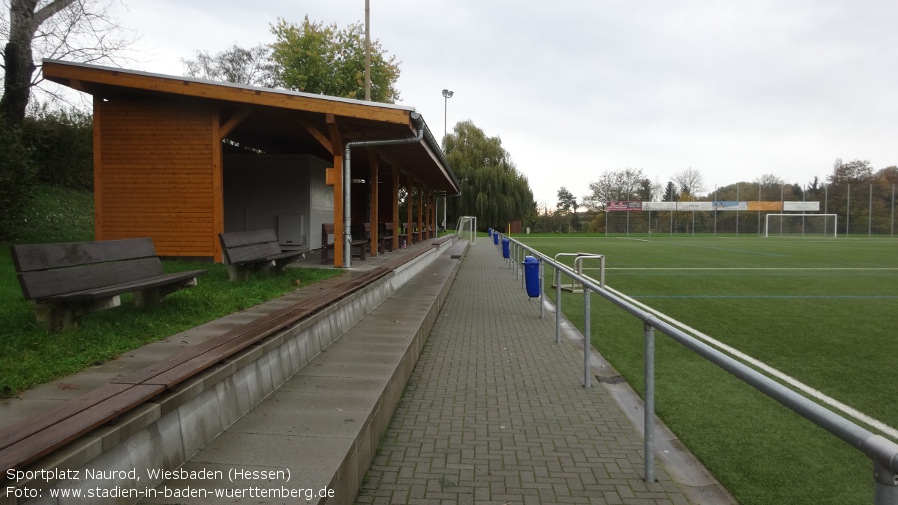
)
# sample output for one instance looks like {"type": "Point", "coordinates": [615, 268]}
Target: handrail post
{"type": "Point", "coordinates": [649, 407]}
{"type": "Point", "coordinates": [885, 485]}
{"type": "Point", "coordinates": [557, 305]}
{"type": "Point", "coordinates": [542, 294]}
{"type": "Point", "coordinates": [586, 337]}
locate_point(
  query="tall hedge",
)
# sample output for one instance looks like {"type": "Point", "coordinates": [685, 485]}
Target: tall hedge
{"type": "Point", "coordinates": [17, 179]}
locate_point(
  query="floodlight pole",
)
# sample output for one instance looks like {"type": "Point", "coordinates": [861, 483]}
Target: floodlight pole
{"type": "Point", "coordinates": [367, 50]}
{"type": "Point", "coordinates": [447, 94]}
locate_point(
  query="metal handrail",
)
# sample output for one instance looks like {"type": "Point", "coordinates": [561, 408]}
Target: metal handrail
{"type": "Point", "coordinates": [880, 450]}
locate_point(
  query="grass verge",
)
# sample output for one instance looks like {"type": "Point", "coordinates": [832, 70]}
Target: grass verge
{"type": "Point", "coordinates": [816, 310]}
{"type": "Point", "coordinates": [30, 355]}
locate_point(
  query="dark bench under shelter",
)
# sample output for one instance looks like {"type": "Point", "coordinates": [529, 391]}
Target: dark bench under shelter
{"type": "Point", "coordinates": [247, 252]}
{"type": "Point", "coordinates": [68, 280]}
{"type": "Point", "coordinates": [327, 230]}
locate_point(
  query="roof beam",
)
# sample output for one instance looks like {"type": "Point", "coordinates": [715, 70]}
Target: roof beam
{"type": "Point", "coordinates": [320, 137]}
{"type": "Point", "coordinates": [65, 73]}
{"type": "Point", "coordinates": [234, 121]}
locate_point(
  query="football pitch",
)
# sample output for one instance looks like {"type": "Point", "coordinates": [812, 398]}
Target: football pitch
{"type": "Point", "coordinates": [821, 311]}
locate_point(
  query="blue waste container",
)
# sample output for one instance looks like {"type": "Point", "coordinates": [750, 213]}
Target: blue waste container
{"type": "Point", "coordinates": [496, 238]}
{"type": "Point", "coordinates": [531, 276]}
{"type": "Point", "coordinates": [489, 232]}
{"type": "Point", "coordinates": [506, 248]}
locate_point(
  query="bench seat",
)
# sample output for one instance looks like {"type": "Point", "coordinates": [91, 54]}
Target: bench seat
{"type": "Point", "coordinates": [327, 230]}
{"type": "Point", "coordinates": [68, 280]}
{"type": "Point", "coordinates": [247, 252]}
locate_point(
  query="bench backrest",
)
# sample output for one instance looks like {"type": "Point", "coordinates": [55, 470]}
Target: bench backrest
{"type": "Point", "coordinates": [52, 269]}
{"type": "Point", "coordinates": [242, 246]}
{"type": "Point", "coordinates": [327, 229]}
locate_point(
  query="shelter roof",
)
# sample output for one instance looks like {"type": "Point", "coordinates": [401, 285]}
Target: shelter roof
{"type": "Point", "coordinates": [276, 120]}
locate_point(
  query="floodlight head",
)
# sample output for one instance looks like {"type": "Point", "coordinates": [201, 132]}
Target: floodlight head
{"type": "Point", "coordinates": [447, 93]}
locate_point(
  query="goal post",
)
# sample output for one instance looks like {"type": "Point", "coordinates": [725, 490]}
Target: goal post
{"type": "Point", "coordinates": [801, 224]}
{"type": "Point", "coordinates": [467, 224]}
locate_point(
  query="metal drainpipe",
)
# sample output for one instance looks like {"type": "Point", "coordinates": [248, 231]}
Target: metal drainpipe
{"type": "Point", "coordinates": [347, 181]}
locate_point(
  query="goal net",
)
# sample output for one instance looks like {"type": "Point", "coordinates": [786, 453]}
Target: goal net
{"type": "Point", "coordinates": [800, 224]}
{"type": "Point", "coordinates": [467, 225]}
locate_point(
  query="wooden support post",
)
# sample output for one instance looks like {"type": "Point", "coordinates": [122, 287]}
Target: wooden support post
{"type": "Point", "coordinates": [420, 214]}
{"type": "Point", "coordinates": [395, 198]}
{"type": "Point", "coordinates": [375, 203]}
{"type": "Point", "coordinates": [337, 143]}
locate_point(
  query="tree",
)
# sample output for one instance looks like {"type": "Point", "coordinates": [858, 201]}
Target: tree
{"type": "Point", "coordinates": [315, 58]}
{"type": "Point", "coordinates": [492, 188]}
{"type": "Point", "coordinates": [623, 184]}
{"type": "Point", "coordinates": [689, 180]}
{"type": "Point", "coordinates": [567, 203]}
{"type": "Point", "coordinates": [769, 187]}
{"type": "Point", "coordinates": [853, 172]}
{"type": "Point", "coordinates": [671, 193]}
{"type": "Point", "coordinates": [567, 208]}
{"type": "Point", "coordinates": [252, 66]}
{"type": "Point", "coordinates": [80, 30]}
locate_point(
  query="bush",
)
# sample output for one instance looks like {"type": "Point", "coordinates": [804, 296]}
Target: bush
{"type": "Point", "coordinates": [17, 178]}
{"type": "Point", "coordinates": [61, 142]}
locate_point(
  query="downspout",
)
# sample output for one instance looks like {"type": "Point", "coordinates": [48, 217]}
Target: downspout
{"type": "Point", "coordinates": [347, 181]}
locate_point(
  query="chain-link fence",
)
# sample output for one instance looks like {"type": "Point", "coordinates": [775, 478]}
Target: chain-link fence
{"type": "Point", "coordinates": [857, 210]}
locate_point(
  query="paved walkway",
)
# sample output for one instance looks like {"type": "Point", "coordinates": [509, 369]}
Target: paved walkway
{"type": "Point", "coordinates": [495, 411]}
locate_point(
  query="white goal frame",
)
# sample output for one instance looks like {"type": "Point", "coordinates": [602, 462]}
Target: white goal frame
{"type": "Point", "coordinates": [471, 223]}
{"type": "Point", "coordinates": [825, 232]}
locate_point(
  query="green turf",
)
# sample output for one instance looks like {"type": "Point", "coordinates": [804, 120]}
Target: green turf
{"type": "Point", "coordinates": [820, 310]}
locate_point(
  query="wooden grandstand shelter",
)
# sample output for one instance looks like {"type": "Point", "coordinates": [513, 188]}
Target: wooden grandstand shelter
{"type": "Point", "coordinates": [181, 160]}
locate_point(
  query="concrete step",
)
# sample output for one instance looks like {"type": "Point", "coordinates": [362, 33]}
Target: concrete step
{"type": "Point", "coordinates": [315, 437]}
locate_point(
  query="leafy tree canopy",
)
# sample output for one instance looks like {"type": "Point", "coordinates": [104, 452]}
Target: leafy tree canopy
{"type": "Point", "coordinates": [626, 184]}
{"type": "Point", "coordinates": [318, 58]}
{"type": "Point", "coordinates": [567, 203]}
{"type": "Point", "coordinates": [492, 188]}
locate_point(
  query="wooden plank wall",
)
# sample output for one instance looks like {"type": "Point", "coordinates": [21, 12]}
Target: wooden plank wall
{"type": "Point", "coordinates": [156, 168]}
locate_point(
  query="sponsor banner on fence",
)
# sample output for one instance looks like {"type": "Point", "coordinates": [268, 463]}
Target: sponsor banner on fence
{"type": "Point", "coordinates": [659, 205]}
{"type": "Point", "coordinates": [801, 206]}
{"type": "Point", "coordinates": [729, 205]}
{"type": "Point", "coordinates": [619, 206]}
{"type": "Point", "coordinates": [693, 206]}
{"type": "Point", "coordinates": [766, 206]}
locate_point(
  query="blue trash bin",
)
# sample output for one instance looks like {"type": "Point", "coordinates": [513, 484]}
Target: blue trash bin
{"type": "Point", "coordinates": [531, 276]}
{"type": "Point", "coordinates": [506, 248]}
{"type": "Point", "coordinates": [496, 238]}
{"type": "Point", "coordinates": [489, 232]}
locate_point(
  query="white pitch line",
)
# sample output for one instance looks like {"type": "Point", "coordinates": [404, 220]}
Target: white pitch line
{"type": "Point", "coordinates": [850, 411]}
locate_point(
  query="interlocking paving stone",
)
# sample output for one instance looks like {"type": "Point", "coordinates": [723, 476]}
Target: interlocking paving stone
{"type": "Point", "coordinates": [495, 411]}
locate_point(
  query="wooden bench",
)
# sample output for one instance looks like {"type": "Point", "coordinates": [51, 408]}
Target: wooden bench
{"type": "Point", "coordinates": [327, 229]}
{"type": "Point", "coordinates": [247, 252]}
{"type": "Point", "coordinates": [66, 281]}
{"type": "Point", "coordinates": [385, 239]}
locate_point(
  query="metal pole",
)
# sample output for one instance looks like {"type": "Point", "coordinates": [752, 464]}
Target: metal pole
{"type": "Point", "coordinates": [367, 50]}
{"type": "Point", "coordinates": [885, 485]}
{"type": "Point", "coordinates": [557, 305]}
{"type": "Point", "coordinates": [649, 407]}
{"type": "Point", "coordinates": [542, 294]}
{"type": "Point", "coordinates": [870, 214]}
{"type": "Point", "coordinates": [586, 337]}
{"type": "Point", "coordinates": [848, 212]}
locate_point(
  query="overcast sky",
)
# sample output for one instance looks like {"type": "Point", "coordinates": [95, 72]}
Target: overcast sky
{"type": "Point", "coordinates": [575, 88]}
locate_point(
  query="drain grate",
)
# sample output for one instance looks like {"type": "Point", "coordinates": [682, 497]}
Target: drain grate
{"type": "Point", "coordinates": [617, 379]}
